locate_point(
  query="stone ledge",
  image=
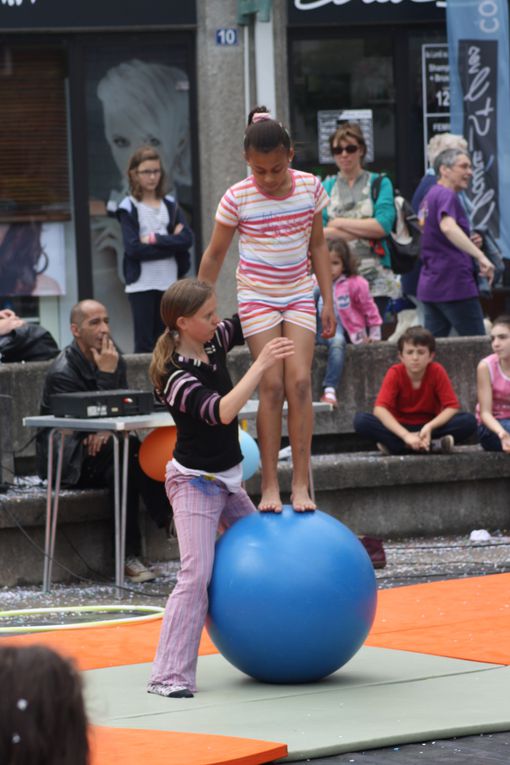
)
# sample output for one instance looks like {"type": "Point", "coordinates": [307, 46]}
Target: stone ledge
{"type": "Point", "coordinates": [371, 469]}
{"type": "Point", "coordinates": [365, 367]}
{"type": "Point", "coordinates": [75, 506]}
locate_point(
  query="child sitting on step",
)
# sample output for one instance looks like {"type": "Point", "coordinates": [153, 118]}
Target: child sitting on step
{"type": "Point", "coordinates": [416, 402]}
{"type": "Point", "coordinates": [493, 382]}
{"type": "Point", "coordinates": [355, 312]}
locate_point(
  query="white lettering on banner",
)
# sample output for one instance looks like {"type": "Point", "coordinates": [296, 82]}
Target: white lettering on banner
{"type": "Point", "coordinates": [488, 9]}
{"type": "Point", "coordinates": [16, 2]}
{"type": "Point", "coordinates": [311, 5]}
{"type": "Point", "coordinates": [479, 125]}
{"type": "Point", "coordinates": [482, 198]}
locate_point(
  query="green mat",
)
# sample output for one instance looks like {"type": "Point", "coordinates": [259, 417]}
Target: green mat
{"type": "Point", "coordinates": [380, 698]}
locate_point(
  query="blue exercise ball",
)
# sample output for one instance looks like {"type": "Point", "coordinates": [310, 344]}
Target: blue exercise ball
{"type": "Point", "coordinates": [292, 596]}
{"type": "Point", "coordinates": [251, 454]}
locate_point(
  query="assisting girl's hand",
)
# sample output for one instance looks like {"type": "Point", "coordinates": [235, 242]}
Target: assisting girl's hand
{"type": "Point", "coordinates": [275, 350]}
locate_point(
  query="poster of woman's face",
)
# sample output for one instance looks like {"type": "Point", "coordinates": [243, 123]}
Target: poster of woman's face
{"type": "Point", "coordinates": [143, 100]}
{"type": "Point", "coordinates": [137, 94]}
{"type": "Point", "coordinates": [32, 259]}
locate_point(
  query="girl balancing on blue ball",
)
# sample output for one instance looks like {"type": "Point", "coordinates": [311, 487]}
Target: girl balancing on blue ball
{"type": "Point", "coordinates": [203, 480]}
{"type": "Point", "coordinates": [277, 211]}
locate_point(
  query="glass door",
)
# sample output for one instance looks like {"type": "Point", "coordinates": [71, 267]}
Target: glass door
{"type": "Point", "coordinates": [137, 93]}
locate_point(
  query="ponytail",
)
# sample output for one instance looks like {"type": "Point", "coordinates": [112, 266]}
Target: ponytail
{"type": "Point", "coordinates": [183, 298]}
{"type": "Point", "coordinates": [161, 355]}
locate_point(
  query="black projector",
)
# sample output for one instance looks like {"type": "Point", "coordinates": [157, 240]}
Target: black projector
{"type": "Point", "coordinates": [102, 403]}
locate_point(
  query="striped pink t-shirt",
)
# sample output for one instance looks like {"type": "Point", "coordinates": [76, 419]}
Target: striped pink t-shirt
{"type": "Point", "coordinates": [274, 233]}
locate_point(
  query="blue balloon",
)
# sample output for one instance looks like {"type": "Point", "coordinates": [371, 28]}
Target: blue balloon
{"type": "Point", "coordinates": [251, 454]}
{"type": "Point", "coordinates": [292, 596]}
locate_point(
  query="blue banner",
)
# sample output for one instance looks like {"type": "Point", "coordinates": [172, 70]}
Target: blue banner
{"type": "Point", "coordinates": [480, 106]}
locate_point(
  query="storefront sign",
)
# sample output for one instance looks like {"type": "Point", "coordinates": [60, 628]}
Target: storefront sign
{"type": "Point", "coordinates": [329, 120]}
{"type": "Point", "coordinates": [436, 92]}
{"type": "Point", "coordinates": [307, 12]}
{"type": "Point", "coordinates": [63, 14]}
{"type": "Point", "coordinates": [480, 108]}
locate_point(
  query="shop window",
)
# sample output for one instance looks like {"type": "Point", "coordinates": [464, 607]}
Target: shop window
{"type": "Point", "coordinates": [34, 179]}
{"type": "Point", "coordinates": [34, 182]}
{"type": "Point", "coordinates": [354, 73]}
{"type": "Point", "coordinates": [137, 93]}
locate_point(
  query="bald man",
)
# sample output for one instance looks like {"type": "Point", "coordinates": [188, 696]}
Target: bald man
{"type": "Point", "coordinates": [93, 362]}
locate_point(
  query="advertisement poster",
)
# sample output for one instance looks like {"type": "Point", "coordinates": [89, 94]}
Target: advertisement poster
{"type": "Point", "coordinates": [330, 119]}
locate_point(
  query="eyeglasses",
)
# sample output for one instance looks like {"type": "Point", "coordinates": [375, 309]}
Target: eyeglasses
{"type": "Point", "coordinates": [148, 172]}
{"type": "Point", "coordinates": [349, 149]}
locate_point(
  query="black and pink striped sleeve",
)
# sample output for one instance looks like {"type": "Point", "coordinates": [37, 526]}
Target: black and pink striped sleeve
{"type": "Point", "coordinates": [186, 394]}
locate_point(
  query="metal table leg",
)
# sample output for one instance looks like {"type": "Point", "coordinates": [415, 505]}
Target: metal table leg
{"type": "Point", "coordinates": [123, 506]}
{"type": "Point", "coordinates": [52, 506]}
{"type": "Point", "coordinates": [117, 512]}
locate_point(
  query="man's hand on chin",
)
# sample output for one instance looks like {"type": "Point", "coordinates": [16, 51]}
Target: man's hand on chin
{"type": "Point", "coordinates": [107, 358]}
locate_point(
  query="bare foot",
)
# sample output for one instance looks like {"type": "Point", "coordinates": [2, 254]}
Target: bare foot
{"type": "Point", "coordinates": [270, 501]}
{"type": "Point", "coordinates": [301, 501]}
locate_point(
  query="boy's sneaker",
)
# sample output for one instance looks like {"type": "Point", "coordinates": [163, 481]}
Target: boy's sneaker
{"type": "Point", "coordinates": [135, 571]}
{"type": "Point", "coordinates": [329, 397]}
{"type": "Point", "coordinates": [447, 443]}
{"type": "Point", "coordinates": [383, 449]}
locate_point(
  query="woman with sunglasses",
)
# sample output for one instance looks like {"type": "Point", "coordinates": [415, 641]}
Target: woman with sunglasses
{"type": "Point", "coordinates": [352, 215]}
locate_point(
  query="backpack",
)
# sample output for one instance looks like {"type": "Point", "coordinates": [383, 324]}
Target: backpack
{"type": "Point", "coordinates": [404, 239]}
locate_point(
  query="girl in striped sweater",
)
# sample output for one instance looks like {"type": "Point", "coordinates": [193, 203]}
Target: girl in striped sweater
{"type": "Point", "coordinates": [203, 479]}
{"type": "Point", "coordinates": [277, 212]}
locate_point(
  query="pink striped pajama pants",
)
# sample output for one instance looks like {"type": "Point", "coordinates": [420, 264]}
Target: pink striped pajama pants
{"type": "Point", "coordinates": [201, 507]}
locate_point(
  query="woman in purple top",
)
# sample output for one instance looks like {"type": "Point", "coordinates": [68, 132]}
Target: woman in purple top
{"type": "Point", "coordinates": [447, 284]}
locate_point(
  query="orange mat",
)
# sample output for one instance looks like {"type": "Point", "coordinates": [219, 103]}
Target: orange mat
{"type": "Point", "coordinates": [459, 618]}
{"type": "Point", "coordinates": [111, 646]}
{"type": "Point", "coordinates": [121, 746]}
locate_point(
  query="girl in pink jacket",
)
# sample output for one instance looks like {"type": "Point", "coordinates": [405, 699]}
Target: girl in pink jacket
{"type": "Point", "coordinates": [356, 313]}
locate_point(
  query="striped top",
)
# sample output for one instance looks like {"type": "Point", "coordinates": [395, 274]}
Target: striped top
{"type": "Point", "coordinates": [274, 233]}
{"type": "Point", "coordinates": [193, 392]}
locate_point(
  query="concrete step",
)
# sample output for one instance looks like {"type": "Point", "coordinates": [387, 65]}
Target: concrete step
{"type": "Point", "coordinates": [411, 495]}
{"type": "Point", "coordinates": [84, 542]}
{"type": "Point", "coordinates": [390, 497]}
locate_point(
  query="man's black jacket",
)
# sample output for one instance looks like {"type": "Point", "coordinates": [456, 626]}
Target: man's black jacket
{"type": "Point", "coordinates": [71, 372]}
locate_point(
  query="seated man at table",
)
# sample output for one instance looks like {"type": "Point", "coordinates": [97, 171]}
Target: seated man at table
{"type": "Point", "coordinates": [92, 362]}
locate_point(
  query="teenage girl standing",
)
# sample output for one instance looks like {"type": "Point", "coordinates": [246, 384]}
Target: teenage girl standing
{"type": "Point", "coordinates": [277, 211]}
{"type": "Point", "coordinates": [203, 480]}
{"type": "Point", "coordinates": [493, 383]}
{"type": "Point", "coordinates": [156, 243]}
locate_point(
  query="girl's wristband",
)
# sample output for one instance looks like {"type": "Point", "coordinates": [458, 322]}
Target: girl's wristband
{"type": "Point", "coordinates": [152, 238]}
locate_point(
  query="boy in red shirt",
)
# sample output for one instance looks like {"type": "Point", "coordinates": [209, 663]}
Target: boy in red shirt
{"type": "Point", "coordinates": [416, 402]}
